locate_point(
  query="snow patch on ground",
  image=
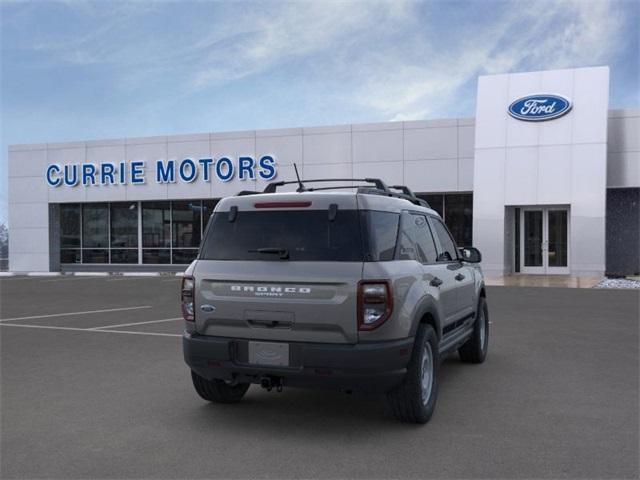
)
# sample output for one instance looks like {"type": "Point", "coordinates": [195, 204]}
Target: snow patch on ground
{"type": "Point", "coordinates": [618, 283]}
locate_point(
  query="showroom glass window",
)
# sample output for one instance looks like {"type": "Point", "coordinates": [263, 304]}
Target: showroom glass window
{"type": "Point", "coordinates": [95, 233]}
{"type": "Point", "coordinates": [124, 232]}
{"type": "Point", "coordinates": [109, 232]}
{"type": "Point", "coordinates": [156, 232]}
{"type": "Point", "coordinates": [70, 239]}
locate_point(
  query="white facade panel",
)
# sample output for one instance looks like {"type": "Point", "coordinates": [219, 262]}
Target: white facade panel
{"type": "Point", "coordinates": [28, 190]}
{"type": "Point", "coordinates": [27, 163]}
{"type": "Point", "coordinates": [431, 143]}
{"type": "Point", "coordinates": [554, 168]}
{"type": "Point", "coordinates": [489, 170]}
{"type": "Point", "coordinates": [493, 95]}
{"type": "Point", "coordinates": [558, 131]}
{"type": "Point", "coordinates": [29, 240]}
{"type": "Point", "coordinates": [591, 105]}
{"type": "Point", "coordinates": [466, 141]}
{"type": "Point", "coordinates": [287, 149]}
{"type": "Point", "coordinates": [623, 169]}
{"type": "Point", "coordinates": [29, 215]}
{"type": "Point", "coordinates": [465, 174]}
{"type": "Point", "coordinates": [28, 262]}
{"type": "Point", "coordinates": [66, 194]}
{"type": "Point", "coordinates": [327, 148]}
{"type": "Point", "coordinates": [377, 146]}
{"type": "Point", "coordinates": [521, 176]}
{"type": "Point", "coordinates": [588, 180]}
{"type": "Point", "coordinates": [431, 175]}
{"type": "Point", "coordinates": [391, 172]}
{"type": "Point", "coordinates": [331, 170]}
{"type": "Point", "coordinates": [624, 134]}
{"type": "Point", "coordinates": [587, 245]}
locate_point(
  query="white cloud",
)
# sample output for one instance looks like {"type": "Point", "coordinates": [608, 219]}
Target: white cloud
{"type": "Point", "coordinates": [534, 36]}
{"type": "Point", "coordinates": [295, 30]}
{"type": "Point", "coordinates": [391, 57]}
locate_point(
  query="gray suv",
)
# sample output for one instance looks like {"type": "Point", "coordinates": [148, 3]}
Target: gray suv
{"type": "Point", "coordinates": [352, 286]}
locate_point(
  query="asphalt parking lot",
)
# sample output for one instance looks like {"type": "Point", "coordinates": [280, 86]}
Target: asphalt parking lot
{"type": "Point", "coordinates": [94, 386]}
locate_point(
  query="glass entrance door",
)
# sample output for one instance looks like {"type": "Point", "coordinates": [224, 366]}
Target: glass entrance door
{"type": "Point", "coordinates": [544, 240]}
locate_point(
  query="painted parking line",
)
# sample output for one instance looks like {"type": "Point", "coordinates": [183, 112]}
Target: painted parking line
{"type": "Point", "coordinates": [124, 279]}
{"type": "Point", "coordinates": [74, 329]}
{"type": "Point", "coordinates": [136, 323]}
{"type": "Point", "coordinates": [88, 312]}
{"type": "Point", "coordinates": [71, 279]}
{"type": "Point", "coordinates": [18, 279]}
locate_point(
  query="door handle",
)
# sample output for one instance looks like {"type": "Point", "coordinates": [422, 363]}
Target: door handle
{"type": "Point", "coordinates": [459, 277]}
{"type": "Point", "coordinates": [436, 282]}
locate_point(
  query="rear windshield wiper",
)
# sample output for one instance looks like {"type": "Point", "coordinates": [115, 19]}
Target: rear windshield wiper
{"type": "Point", "coordinates": [283, 252]}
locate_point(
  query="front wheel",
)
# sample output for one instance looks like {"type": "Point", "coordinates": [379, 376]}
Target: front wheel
{"type": "Point", "coordinates": [218, 391]}
{"type": "Point", "coordinates": [475, 349]}
{"type": "Point", "coordinates": [414, 400]}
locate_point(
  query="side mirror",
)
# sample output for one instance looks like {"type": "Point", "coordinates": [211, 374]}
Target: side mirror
{"type": "Point", "coordinates": [470, 254]}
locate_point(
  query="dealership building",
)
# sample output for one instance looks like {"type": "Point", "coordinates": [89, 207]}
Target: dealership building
{"type": "Point", "coordinates": [544, 180]}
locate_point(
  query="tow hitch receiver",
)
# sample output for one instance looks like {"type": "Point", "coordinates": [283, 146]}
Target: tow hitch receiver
{"type": "Point", "coordinates": [270, 382]}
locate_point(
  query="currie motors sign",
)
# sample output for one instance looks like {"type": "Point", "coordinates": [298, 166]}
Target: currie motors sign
{"type": "Point", "coordinates": [188, 170]}
{"type": "Point", "coordinates": [537, 108]}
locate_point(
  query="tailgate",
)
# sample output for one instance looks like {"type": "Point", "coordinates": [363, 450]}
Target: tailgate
{"type": "Point", "coordinates": [279, 301]}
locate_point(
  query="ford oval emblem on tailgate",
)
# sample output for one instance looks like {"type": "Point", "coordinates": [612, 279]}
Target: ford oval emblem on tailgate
{"type": "Point", "coordinates": [208, 308]}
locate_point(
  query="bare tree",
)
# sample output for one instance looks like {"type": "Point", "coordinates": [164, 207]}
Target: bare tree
{"type": "Point", "coordinates": [4, 246]}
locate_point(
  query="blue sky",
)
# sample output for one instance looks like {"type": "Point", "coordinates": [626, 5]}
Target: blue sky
{"type": "Point", "coordinates": [81, 70]}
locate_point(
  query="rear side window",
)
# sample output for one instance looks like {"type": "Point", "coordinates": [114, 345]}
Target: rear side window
{"type": "Point", "coordinates": [448, 251]}
{"type": "Point", "coordinates": [381, 232]}
{"type": "Point", "coordinates": [306, 235]}
{"type": "Point", "coordinates": [415, 241]}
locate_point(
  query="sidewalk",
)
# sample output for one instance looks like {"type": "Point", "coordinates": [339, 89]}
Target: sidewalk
{"type": "Point", "coordinates": [562, 281]}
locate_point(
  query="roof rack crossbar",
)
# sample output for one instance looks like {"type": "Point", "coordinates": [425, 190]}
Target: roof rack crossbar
{"type": "Point", "coordinates": [379, 184]}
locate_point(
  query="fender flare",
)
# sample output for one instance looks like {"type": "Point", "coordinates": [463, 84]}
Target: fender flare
{"type": "Point", "coordinates": [427, 306]}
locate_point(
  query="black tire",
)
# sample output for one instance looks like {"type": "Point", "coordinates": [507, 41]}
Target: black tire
{"type": "Point", "coordinates": [218, 390]}
{"type": "Point", "coordinates": [475, 349]}
{"type": "Point", "coordinates": [406, 400]}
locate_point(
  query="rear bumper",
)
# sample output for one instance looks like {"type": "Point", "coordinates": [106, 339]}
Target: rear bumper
{"type": "Point", "coordinates": [370, 367]}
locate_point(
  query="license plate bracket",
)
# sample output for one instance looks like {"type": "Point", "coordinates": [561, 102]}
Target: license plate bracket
{"type": "Point", "coordinates": [269, 353]}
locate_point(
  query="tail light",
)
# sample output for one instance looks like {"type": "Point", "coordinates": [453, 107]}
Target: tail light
{"type": "Point", "coordinates": [375, 303]}
{"type": "Point", "coordinates": [186, 298]}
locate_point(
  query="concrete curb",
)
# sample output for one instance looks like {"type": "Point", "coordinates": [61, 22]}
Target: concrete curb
{"type": "Point", "coordinates": [93, 274]}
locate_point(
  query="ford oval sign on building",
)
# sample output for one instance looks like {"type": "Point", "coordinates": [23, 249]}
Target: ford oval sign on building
{"type": "Point", "coordinates": [536, 108]}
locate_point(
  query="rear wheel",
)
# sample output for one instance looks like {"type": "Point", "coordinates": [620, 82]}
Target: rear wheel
{"type": "Point", "coordinates": [414, 400]}
{"type": "Point", "coordinates": [218, 390]}
{"type": "Point", "coordinates": [475, 349]}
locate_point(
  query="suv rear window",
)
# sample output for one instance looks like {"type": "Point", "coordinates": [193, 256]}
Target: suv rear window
{"type": "Point", "coordinates": [353, 236]}
{"type": "Point", "coordinates": [305, 235]}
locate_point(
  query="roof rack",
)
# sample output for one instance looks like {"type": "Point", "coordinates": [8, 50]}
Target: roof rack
{"type": "Point", "coordinates": [376, 187]}
{"type": "Point", "coordinates": [271, 188]}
